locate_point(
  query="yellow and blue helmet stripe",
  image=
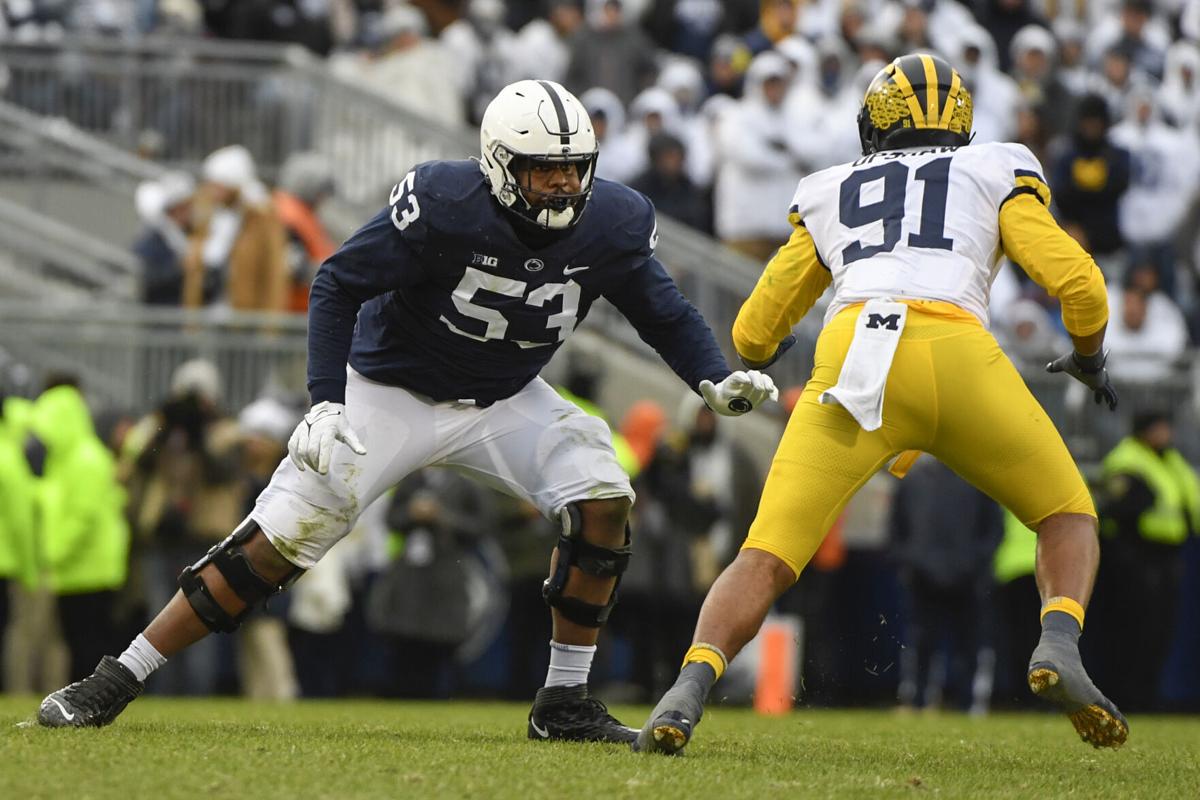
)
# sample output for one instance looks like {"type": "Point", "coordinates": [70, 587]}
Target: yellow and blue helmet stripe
{"type": "Point", "coordinates": [917, 99]}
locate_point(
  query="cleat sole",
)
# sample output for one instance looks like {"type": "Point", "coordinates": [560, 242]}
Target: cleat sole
{"type": "Point", "coordinates": [1094, 724]}
{"type": "Point", "coordinates": [1099, 728]}
{"type": "Point", "coordinates": [1042, 679]}
{"type": "Point", "coordinates": [669, 739]}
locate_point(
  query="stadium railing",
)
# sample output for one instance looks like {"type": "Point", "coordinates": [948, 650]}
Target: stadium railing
{"type": "Point", "coordinates": [276, 100]}
{"type": "Point", "coordinates": [52, 168]}
{"type": "Point", "coordinates": [126, 354]}
{"type": "Point", "coordinates": [196, 95]}
{"type": "Point", "coordinates": [32, 144]}
{"type": "Point", "coordinates": [44, 258]}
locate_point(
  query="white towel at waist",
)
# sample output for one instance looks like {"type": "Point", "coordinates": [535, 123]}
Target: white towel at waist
{"type": "Point", "coordinates": [865, 371]}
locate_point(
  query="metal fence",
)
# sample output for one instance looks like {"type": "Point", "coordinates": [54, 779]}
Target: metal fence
{"type": "Point", "coordinates": [44, 258]}
{"type": "Point", "coordinates": [276, 100]}
{"type": "Point", "coordinates": [127, 353]}
{"type": "Point", "coordinates": [197, 95]}
{"type": "Point", "coordinates": [66, 213]}
{"type": "Point", "coordinates": [32, 145]}
{"type": "Point", "coordinates": [180, 99]}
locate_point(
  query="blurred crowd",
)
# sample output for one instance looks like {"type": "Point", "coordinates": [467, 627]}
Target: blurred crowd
{"type": "Point", "coordinates": [715, 110]}
{"type": "Point", "coordinates": [229, 241]}
{"type": "Point", "coordinates": [923, 594]}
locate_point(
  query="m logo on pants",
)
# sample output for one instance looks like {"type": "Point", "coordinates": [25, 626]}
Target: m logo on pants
{"type": "Point", "coordinates": [891, 321]}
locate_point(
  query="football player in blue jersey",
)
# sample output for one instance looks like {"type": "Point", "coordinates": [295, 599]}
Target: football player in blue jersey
{"type": "Point", "coordinates": [427, 331]}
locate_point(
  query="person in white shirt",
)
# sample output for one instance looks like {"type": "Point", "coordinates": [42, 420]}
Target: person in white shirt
{"type": "Point", "coordinates": [684, 80]}
{"type": "Point", "coordinates": [1179, 96]}
{"type": "Point", "coordinates": [543, 49]}
{"type": "Point", "coordinates": [996, 94]}
{"type": "Point", "coordinates": [653, 111]}
{"type": "Point", "coordinates": [1072, 66]}
{"type": "Point", "coordinates": [619, 159]}
{"type": "Point", "coordinates": [758, 170]}
{"type": "Point", "coordinates": [1117, 80]}
{"type": "Point", "coordinates": [1146, 331]}
{"type": "Point", "coordinates": [1136, 28]}
{"type": "Point", "coordinates": [486, 52]}
{"type": "Point", "coordinates": [408, 67]}
{"type": "Point", "coordinates": [1162, 187]}
{"type": "Point", "coordinates": [822, 103]}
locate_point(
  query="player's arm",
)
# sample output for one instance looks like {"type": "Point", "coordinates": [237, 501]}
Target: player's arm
{"type": "Point", "coordinates": [789, 286]}
{"type": "Point", "coordinates": [374, 261]}
{"type": "Point", "coordinates": [1033, 240]}
{"type": "Point", "coordinates": [666, 321]}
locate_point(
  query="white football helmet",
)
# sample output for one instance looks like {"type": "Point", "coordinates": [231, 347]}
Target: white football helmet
{"type": "Point", "coordinates": [537, 121]}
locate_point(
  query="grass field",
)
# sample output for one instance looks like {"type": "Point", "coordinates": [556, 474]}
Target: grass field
{"type": "Point", "coordinates": [230, 749]}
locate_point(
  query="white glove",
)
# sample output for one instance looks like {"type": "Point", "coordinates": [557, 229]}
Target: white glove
{"type": "Point", "coordinates": [738, 393]}
{"type": "Point", "coordinates": [312, 441]}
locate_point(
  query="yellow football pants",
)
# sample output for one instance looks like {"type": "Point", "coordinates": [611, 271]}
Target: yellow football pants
{"type": "Point", "coordinates": [952, 393]}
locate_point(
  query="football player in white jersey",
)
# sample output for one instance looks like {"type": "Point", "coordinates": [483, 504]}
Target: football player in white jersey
{"type": "Point", "coordinates": [910, 236]}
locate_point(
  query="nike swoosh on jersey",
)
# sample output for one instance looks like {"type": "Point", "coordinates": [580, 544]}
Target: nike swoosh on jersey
{"type": "Point", "coordinates": [573, 270]}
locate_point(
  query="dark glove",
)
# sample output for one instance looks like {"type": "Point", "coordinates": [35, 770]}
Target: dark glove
{"type": "Point", "coordinates": [1090, 371]}
{"type": "Point", "coordinates": [784, 346]}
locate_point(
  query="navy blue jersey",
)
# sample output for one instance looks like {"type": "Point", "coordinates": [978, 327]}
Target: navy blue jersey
{"type": "Point", "coordinates": [451, 304]}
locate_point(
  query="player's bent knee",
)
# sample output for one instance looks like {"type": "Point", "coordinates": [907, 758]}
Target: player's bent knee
{"type": "Point", "coordinates": [1067, 521]}
{"type": "Point", "coordinates": [266, 560]}
{"type": "Point", "coordinates": [780, 574]}
{"type": "Point", "coordinates": [606, 521]}
{"type": "Point", "coordinates": [575, 550]}
{"type": "Point", "coordinates": [237, 566]}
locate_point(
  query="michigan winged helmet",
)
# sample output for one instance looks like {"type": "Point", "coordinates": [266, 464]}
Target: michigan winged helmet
{"type": "Point", "coordinates": [916, 100]}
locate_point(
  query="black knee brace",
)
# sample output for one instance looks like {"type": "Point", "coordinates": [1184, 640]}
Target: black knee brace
{"type": "Point", "coordinates": [230, 560]}
{"type": "Point", "coordinates": [575, 551]}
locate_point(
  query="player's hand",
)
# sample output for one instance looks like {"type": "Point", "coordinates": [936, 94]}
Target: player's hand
{"type": "Point", "coordinates": [312, 442]}
{"type": "Point", "coordinates": [739, 392]}
{"type": "Point", "coordinates": [1090, 371]}
{"type": "Point", "coordinates": [784, 346]}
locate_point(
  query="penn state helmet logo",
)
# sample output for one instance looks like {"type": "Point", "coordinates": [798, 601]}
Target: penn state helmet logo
{"type": "Point", "coordinates": [535, 265]}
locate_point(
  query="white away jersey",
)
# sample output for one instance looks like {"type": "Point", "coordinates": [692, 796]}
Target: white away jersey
{"type": "Point", "coordinates": [919, 223]}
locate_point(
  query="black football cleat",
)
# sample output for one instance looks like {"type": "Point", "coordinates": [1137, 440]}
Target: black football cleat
{"type": "Point", "coordinates": [94, 701]}
{"type": "Point", "coordinates": [570, 714]}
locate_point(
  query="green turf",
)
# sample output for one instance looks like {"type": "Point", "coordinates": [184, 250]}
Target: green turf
{"type": "Point", "coordinates": [230, 749]}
